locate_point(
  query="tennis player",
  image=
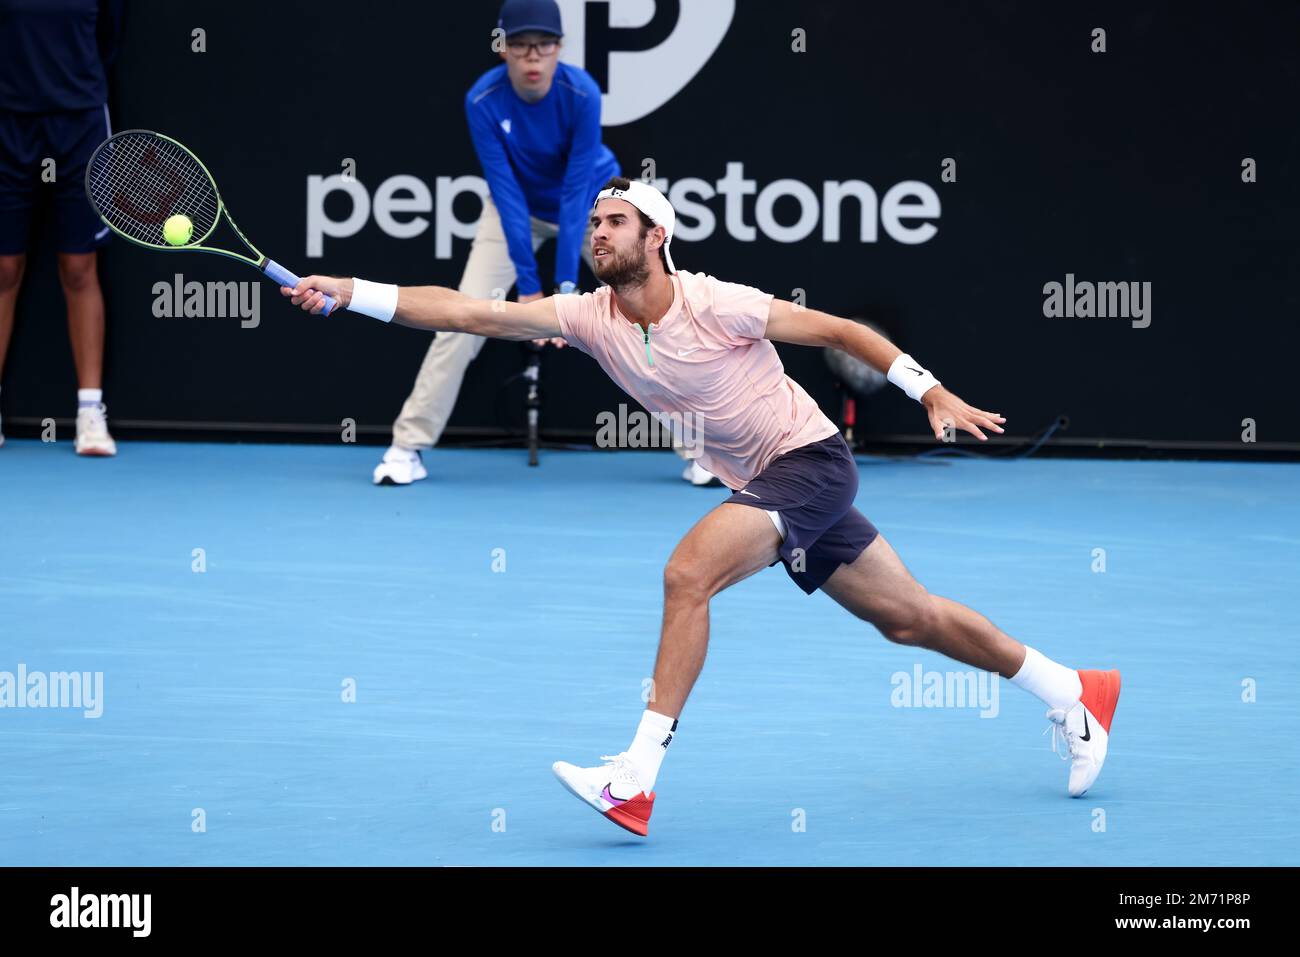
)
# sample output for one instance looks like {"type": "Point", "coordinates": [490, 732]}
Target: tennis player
{"type": "Point", "coordinates": [687, 343]}
{"type": "Point", "coordinates": [535, 123]}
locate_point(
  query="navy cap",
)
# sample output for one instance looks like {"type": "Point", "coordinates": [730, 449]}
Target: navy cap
{"type": "Point", "coordinates": [518, 16]}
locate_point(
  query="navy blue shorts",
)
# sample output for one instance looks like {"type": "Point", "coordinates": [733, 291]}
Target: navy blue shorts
{"type": "Point", "coordinates": [27, 141]}
{"type": "Point", "coordinates": [813, 487]}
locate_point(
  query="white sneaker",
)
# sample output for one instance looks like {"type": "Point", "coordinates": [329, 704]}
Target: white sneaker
{"type": "Point", "coordinates": [612, 789]}
{"type": "Point", "coordinates": [696, 474]}
{"type": "Point", "coordinates": [92, 432]}
{"type": "Point", "coordinates": [400, 467]}
{"type": "Point", "coordinates": [1085, 728]}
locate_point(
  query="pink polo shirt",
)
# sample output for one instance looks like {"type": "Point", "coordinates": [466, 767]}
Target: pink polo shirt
{"type": "Point", "coordinates": [707, 360]}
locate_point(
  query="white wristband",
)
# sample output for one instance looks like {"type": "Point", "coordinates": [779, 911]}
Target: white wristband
{"type": "Point", "coordinates": [910, 376]}
{"type": "Point", "coordinates": [375, 299]}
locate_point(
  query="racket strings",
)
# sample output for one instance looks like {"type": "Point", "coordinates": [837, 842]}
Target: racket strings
{"type": "Point", "coordinates": [137, 180]}
{"type": "Point", "coordinates": [161, 174]}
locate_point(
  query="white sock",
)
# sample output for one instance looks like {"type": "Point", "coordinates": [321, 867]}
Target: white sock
{"type": "Point", "coordinates": [1057, 685]}
{"type": "Point", "coordinates": [89, 398]}
{"type": "Point", "coordinates": [647, 749]}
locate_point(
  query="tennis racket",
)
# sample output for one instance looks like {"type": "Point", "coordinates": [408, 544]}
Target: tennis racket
{"type": "Point", "coordinates": [137, 179]}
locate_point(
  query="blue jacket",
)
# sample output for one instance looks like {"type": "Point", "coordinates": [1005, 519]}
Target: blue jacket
{"type": "Point", "coordinates": [542, 159]}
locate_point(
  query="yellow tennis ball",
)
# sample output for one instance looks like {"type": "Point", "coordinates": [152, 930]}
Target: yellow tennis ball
{"type": "Point", "coordinates": [178, 230]}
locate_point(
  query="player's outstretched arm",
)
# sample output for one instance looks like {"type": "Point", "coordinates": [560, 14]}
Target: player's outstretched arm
{"type": "Point", "coordinates": [807, 327]}
{"type": "Point", "coordinates": [430, 307]}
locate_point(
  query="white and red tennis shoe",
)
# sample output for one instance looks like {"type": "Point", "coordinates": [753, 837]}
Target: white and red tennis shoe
{"type": "Point", "coordinates": [612, 789]}
{"type": "Point", "coordinates": [1085, 728]}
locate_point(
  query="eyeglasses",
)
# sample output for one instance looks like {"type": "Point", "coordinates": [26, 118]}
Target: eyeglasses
{"type": "Point", "coordinates": [521, 48]}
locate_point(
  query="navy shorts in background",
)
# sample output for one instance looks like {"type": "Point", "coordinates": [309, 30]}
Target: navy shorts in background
{"type": "Point", "coordinates": [813, 488]}
{"type": "Point", "coordinates": [26, 141]}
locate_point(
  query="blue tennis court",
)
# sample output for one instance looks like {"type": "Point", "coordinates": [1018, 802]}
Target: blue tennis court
{"type": "Point", "coordinates": [496, 618]}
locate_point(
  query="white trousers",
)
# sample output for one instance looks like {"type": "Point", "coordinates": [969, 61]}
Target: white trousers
{"type": "Point", "coordinates": [489, 274]}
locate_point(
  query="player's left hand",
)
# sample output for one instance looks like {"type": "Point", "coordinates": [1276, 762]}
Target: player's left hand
{"type": "Point", "coordinates": [948, 411]}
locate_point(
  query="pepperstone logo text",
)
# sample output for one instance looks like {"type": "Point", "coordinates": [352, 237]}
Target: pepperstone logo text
{"type": "Point", "coordinates": [746, 208]}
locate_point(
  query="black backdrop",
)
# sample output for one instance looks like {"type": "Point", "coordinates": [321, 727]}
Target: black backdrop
{"type": "Point", "coordinates": [1115, 166]}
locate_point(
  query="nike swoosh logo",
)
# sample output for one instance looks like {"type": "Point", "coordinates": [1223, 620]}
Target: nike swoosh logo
{"type": "Point", "coordinates": [606, 795]}
{"type": "Point", "coordinates": [910, 369]}
{"type": "Point", "coordinates": [1087, 733]}
{"type": "Point", "coordinates": [743, 492]}
{"type": "Point", "coordinates": [687, 352]}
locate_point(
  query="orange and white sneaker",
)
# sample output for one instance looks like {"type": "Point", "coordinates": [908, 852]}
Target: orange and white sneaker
{"type": "Point", "coordinates": [1085, 728]}
{"type": "Point", "coordinates": [612, 789]}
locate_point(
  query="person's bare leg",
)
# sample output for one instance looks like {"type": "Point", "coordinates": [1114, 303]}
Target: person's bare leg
{"type": "Point", "coordinates": [878, 588]}
{"type": "Point", "coordinates": [727, 545]}
{"type": "Point", "coordinates": [80, 281]}
{"type": "Point", "coordinates": [11, 280]}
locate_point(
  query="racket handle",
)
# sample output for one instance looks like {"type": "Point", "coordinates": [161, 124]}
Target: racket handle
{"type": "Point", "coordinates": [285, 278]}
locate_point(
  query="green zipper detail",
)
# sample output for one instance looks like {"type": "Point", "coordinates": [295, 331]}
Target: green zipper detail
{"type": "Point", "coordinates": [649, 358]}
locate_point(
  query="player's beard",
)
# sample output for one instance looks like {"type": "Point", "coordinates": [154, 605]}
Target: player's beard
{"type": "Point", "coordinates": [624, 268]}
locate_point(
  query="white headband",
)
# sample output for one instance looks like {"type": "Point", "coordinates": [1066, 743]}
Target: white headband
{"type": "Point", "coordinates": [651, 202]}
